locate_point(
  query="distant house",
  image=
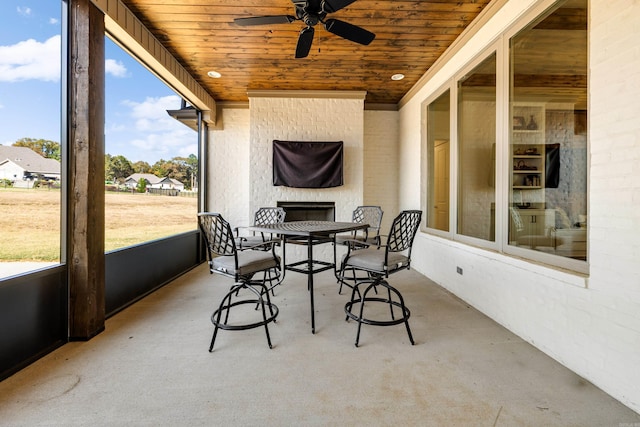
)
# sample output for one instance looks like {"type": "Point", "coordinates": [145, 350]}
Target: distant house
{"type": "Point", "coordinates": [153, 182]}
{"type": "Point", "coordinates": [23, 164]}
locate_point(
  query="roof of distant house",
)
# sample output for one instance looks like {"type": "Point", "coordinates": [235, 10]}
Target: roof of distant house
{"type": "Point", "coordinates": [175, 182]}
{"type": "Point", "coordinates": [151, 178]}
{"type": "Point", "coordinates": [29, 160]}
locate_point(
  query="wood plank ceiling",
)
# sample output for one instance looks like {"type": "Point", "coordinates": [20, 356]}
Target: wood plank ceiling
{"type": "Point", "coordinates": [410, 37]}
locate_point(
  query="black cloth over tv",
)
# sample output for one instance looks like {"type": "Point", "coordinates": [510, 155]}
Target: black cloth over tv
{"type": "Point", "coordinates": [308, 164]}
{"type": "Point", "coordinates": [552, 165]}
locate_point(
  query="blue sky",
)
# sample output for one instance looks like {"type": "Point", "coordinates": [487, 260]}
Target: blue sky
{"type": "Point", "coordinates": [136, 123]}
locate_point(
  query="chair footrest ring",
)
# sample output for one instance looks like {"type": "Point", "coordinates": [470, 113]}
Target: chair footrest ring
{"type": "Point", "coordinates": [397, 321]}
{"type": "Point", "coordinates": [245, 326]}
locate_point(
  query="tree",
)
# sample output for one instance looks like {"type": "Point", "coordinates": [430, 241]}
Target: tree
{"type": "Point", "coordinates": [192, 172]}
{"type": "Point", "coordinates": [44, 147]}
{"type": "Point", "coordinates": [159, 168]}
{"type": "Point", "coordinates": [142, 185]}
{"type": "Point", "coordinates": [183, 169]}
{"type": "Point", "coordinates": [107, 168]}
{"type": "Point", "coordinates": [141, 167]}
{"type": "Point", "coordinates": [118, 168]}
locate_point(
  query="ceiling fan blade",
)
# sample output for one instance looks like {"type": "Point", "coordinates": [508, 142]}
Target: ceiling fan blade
{"type": "Point", "coordinates": [304, 42]}
{"type": "Point", "coordinates": [264, 20]}
{"type": "Point", "coordinates": [331, 6]}
{"type": "Point", "coordinates": [349, 31]}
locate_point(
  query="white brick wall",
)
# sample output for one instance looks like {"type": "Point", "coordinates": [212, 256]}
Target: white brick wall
{"type": "Point", "coordinates": [306, 119]}
{"type": "Point", "coordinates": [381, 167]}
{"type": "Point", "coordinates": [238, 164]}
{"type": "Point", "coordinates": [228, 189]}
{"type": "Point", "coordinates": [240, 154]}
{"type": "Point", "coordinates": [590, 324]}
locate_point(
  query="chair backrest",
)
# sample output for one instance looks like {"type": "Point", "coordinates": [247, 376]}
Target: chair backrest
{"type": "Point", "coordinates": [269, 216]}
{"type": "Point", "coordinates": [517, 219]}
{"type": "Point", "coordinates": [371, 215]}
{"type": "Point", "coordinates": [217, 234]}
{"type": "Point", "coordinates": [403, 231]}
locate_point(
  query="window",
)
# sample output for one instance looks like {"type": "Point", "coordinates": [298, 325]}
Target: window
{"type": "Point", "coordinates": [476, 142]}
{"type": "Point", "coordinates": [151, 158]}
{"type": "Point", "coordinates": [548, 144]}
{"type": "Point", "coordinates": [520, 144]}
{"type": "Point", "coordinates": [30, 143]}
{"type": "Point", "coordinates": [438, 153]}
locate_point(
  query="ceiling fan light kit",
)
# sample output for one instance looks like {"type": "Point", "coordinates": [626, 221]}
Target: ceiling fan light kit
{"type": "Point", "coordinates": [312, 12]}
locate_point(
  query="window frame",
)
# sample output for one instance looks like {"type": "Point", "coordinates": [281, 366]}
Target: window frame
{"type": "Point", "coordinates": [424, 193]}
{"type": "Point", "coordinates": [501, 47]}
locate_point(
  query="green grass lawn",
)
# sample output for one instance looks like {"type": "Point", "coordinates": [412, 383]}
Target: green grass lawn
{"type": "Point", "coordinates": [30, 221]}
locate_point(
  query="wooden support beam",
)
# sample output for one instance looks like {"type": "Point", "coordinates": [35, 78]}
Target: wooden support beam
{"type": "Point", "coordinates": [85, 238]}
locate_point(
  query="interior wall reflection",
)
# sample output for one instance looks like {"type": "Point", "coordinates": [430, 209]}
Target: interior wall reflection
{"type": "Point", "coordinates": [438, 155]}
{"type": "Point", "coordinates": [548, 138]}
{"type": "Point", "coordinates": [476, 145]}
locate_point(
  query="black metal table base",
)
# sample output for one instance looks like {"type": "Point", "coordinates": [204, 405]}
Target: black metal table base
{"type": "Point", "coordinates": [308, 267]}
{"type": "Point", "coordinates": [308, 233]}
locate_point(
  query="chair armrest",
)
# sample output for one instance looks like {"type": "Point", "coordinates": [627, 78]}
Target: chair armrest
{"type": "Point", "coordinates": [266, 245]}
{"type": "Point", "coordinates": [238, 229]}
{"type": "Point", "coordinates": [354, 244]}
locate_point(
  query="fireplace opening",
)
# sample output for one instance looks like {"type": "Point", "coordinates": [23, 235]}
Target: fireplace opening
{"type": "Point", "coordinates": [309, 211]}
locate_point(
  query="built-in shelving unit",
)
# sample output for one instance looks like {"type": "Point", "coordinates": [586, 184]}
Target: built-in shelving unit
{"type": "Point", "coordinates": [527, 147]}
{"type": "Point", "coordinates": [530, 219]}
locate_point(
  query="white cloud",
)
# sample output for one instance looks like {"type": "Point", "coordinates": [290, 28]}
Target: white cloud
{"type": "Point", "coordinates": [158, 133]}
{"type": "Point", "coordinates": [115, 68]}
{"type": "Point", "coordinates": [151, 114]}
{"type": "Point", "coordinates": [31, 60]}
{"type": "Point", "coordinates": [53, 21]}
{"type": "Point", "coordinates": [26, 11]}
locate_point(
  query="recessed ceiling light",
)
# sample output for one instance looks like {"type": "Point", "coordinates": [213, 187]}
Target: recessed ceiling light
{"type": "Point", "coordinates": [398, 76]}
{"type": "Point", "coordinates": [214, 74]}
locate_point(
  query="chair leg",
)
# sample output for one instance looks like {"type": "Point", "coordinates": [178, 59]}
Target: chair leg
{"type": "Point", "coordinates": [264, 317]}
{"type": "Point", "coordinates": [364, 298]}
{"type": "Point", "coordinates": [386, 285]}
{"type": "Point", "coordinates": [270, 276]}
{"type": "Point", "coordinates": [403, 308]}
{"type": "Point", "coordinates": [347, 307]}
{"type": "Point", "coordinates": [264, 291]}
{"type": "Point", "coordinates": [262, 300]}
{"type": "Point", "coordinates": [228, 296]}
{"type": "Point", "coordinates": [341, 279]}
{"type": "Point", "coordinates": [218, 315]}
{"type": "Point", "coordinates": [362, 301]}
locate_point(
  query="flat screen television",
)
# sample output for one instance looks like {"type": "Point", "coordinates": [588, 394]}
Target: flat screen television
{"type": "Point", "coordinates": [308, 164]}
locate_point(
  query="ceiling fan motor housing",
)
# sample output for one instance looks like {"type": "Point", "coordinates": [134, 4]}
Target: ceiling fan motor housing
{"type": "Point", "coordinates": [312, 12]}
{"type": "Point", "coordinates": [311, 19]}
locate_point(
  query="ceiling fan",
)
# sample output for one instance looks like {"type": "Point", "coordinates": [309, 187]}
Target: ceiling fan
{"type": "Point", "coordinates": [312, 12]}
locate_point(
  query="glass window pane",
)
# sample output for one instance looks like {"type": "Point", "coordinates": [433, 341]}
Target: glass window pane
{"type": "Point", "coordinates": [548, 146]}
{"type": "Point", "coordinates": [438, 135]}
{"type": "Point", "coordinates": [151, 158]}
{"type": "Point", "coordinates": [30, 105]}
{"type": "Point", "coordinates": [476, 151]}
